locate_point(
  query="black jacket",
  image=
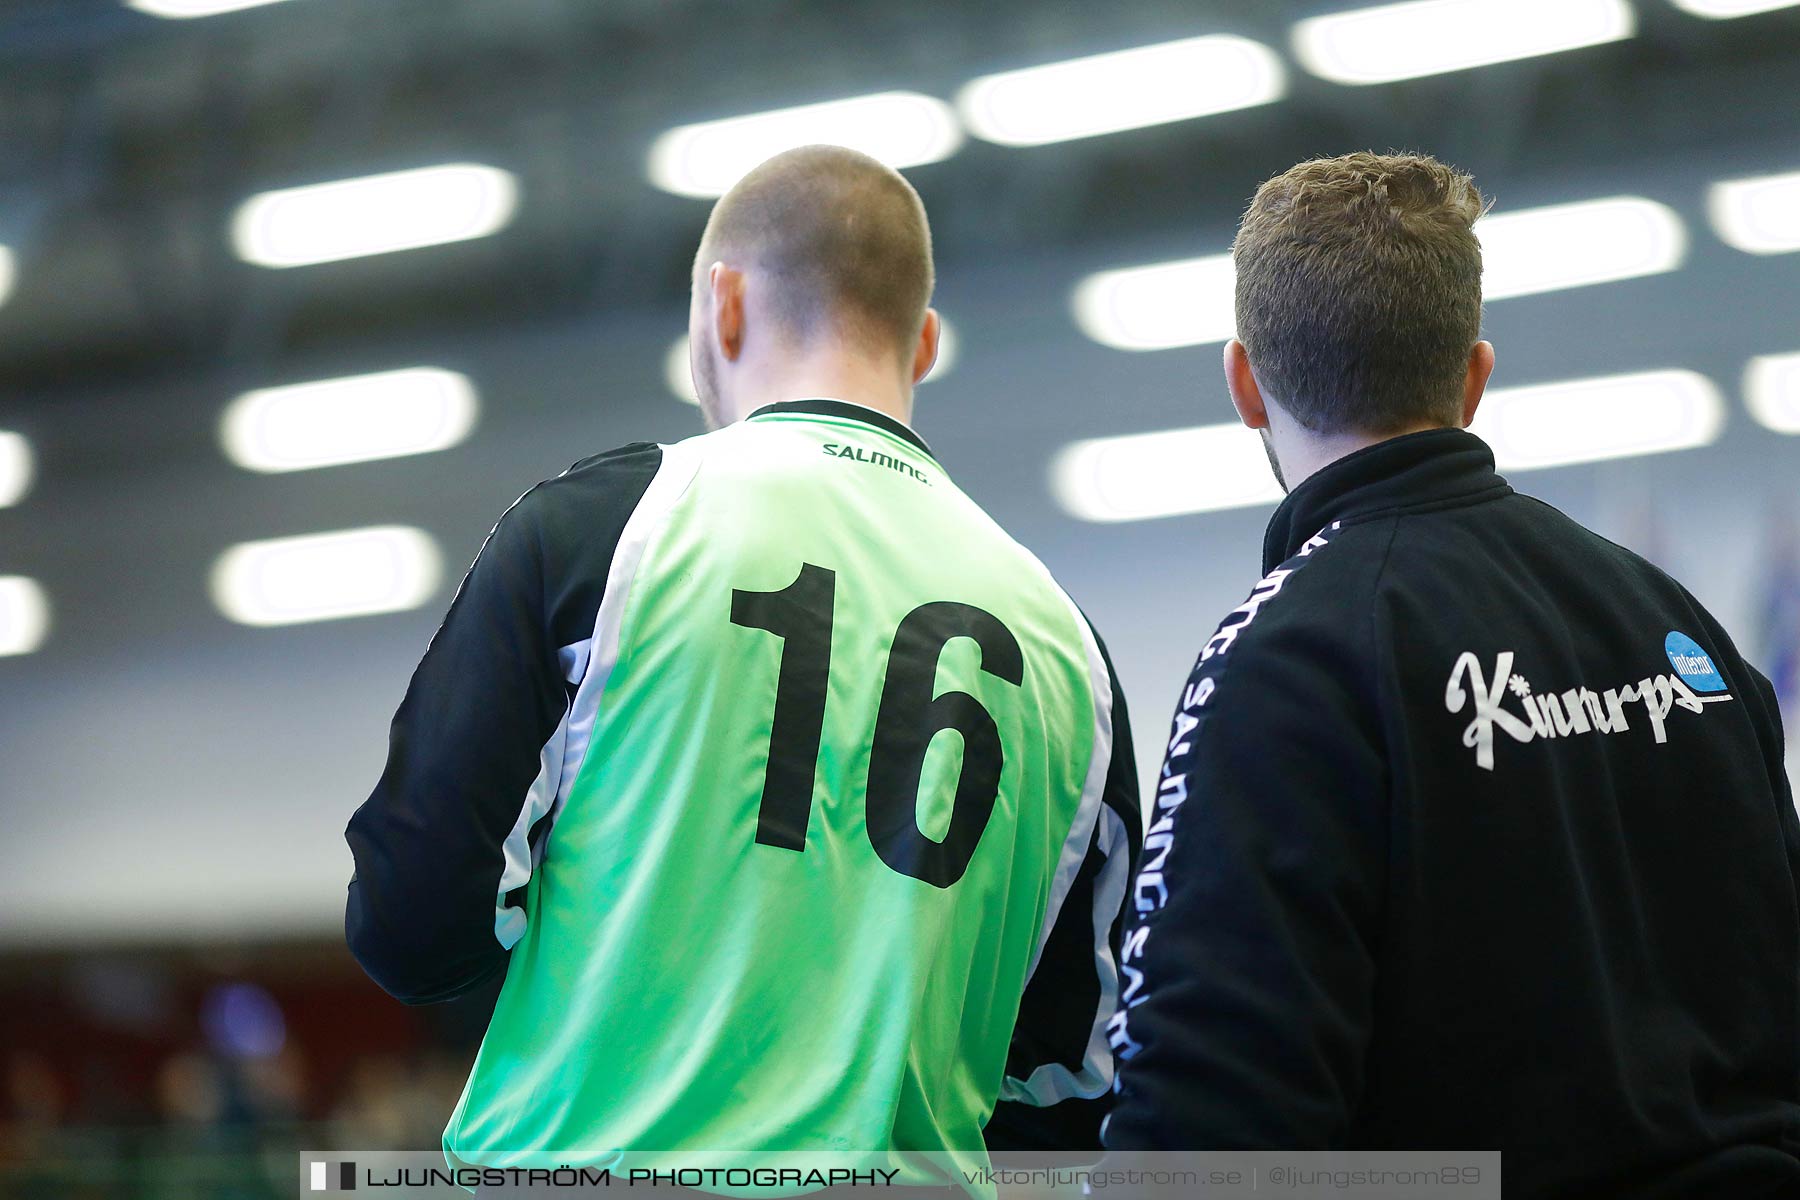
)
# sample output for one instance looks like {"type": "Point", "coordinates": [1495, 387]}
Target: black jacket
{"type": "Point", "coordinates": [1473, 834]}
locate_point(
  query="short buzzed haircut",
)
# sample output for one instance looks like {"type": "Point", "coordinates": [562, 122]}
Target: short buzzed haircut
{"type": "Point", "coordinates": [1359, 291]}
{"type": "Point", "coordinates": [843, 238]}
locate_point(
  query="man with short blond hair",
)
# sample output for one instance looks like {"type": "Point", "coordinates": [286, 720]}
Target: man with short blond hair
{"type": "Point", "coordinates": [845, 251]}
{"type": "Point", "coordinates": [794, 798]}
{"type": "Point", "coordinates": [1473, 831]}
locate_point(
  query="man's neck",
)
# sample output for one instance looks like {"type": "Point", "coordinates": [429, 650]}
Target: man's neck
{"type": "Point", "coordinates": [1304, 454]}
{"type": "Point", "coordinates": [899, 412]}
{"type": "Point", "coordinates": [872, 385]}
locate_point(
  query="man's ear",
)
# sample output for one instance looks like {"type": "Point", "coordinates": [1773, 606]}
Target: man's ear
{"type": "Point", "coordinates": [1481, 365]}
{"type": "Point", "coordinates": [925, 352]}
{"type": "Point", "coordinates": [726, 285]}
{"type": "Point", "coordinates": [1246, 396]}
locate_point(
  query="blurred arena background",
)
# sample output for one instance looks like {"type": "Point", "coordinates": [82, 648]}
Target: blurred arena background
{"type": "Point", "coordinates": [191, 705]}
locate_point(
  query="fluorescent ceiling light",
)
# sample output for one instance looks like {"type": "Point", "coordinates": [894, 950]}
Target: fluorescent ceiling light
{"type": "Point", "coordinates": [323, 576]}
{"type": "Point", "coordinates": [1719, 10]}
{"type": "Point", "coordinates": [24, 615]}
{"type": "Point", "coordinates": [1586, 420]}
{"type": "Point", "coordinates": [1155, 307]}
{"type": "Point", "coordinates": [352, 419]}
{"type": "Point", "coordinates": [902, 129]}
{"type": "Point", "coordinates": [1573, 245]}
{"type": "Point", "coordinates": [183, 9]}
{"type": "Point", "coordinates": [1127, 89]}
{"type": "Point", "coordinates": [1192, 302]}
{"type": "Point", "coordinates": [678, 375]}
{"type": "Point", "coordinates": [15, 467]}
{"type": "Point", "coordinates": [1428, 37]}
{"type": "Point", "coordinates": [1760, 215]}
{"type": "Point", "coordinates": [376, 214]}
{"type": "Point", "coordinates": [1772, 390]}
{"type": "Point", "coordinates": [1213, 467]}
{"type": "Point", "coordinates": [6, 273]}
{"type": "Point", "coordinates": [1144, 475]}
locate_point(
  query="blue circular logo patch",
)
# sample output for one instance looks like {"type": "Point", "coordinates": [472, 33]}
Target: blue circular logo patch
{"type": "Point", "coordinates": [1694, 665]}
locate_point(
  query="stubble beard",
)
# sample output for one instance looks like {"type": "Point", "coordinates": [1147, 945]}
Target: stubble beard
{"type": "Point", "coordinates": [1268, 442]}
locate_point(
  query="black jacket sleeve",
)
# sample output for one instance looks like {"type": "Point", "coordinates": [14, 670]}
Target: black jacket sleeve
{"type": "Point", "coordinates": [462, 753]}
{"type": "Point", "coordinates": [1058, 1085]}
{"type": "Point", "coordinates": [1249, 974]}
{"type": "Point", "coordinates": [471, 770]}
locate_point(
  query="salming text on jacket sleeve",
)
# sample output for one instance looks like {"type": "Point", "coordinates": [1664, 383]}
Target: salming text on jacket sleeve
{"type": "Point", "coordinates": [1261, 883]}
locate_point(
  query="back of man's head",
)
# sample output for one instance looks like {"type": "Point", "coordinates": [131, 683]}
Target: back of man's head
{"type": "Point", "coordinates": [1359, 291]}
{"type": "Point", "coordinates": [839, 243]}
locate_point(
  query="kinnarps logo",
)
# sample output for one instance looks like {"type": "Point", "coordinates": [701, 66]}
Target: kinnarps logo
{"type": "Point", "coordinates": [332, 1177]}
{"type": "Point", "coordinates": [1693, 664]}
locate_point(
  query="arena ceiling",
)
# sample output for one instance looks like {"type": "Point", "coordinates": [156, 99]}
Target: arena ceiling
{"type": "Point", "coordinates": [127, 141]}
